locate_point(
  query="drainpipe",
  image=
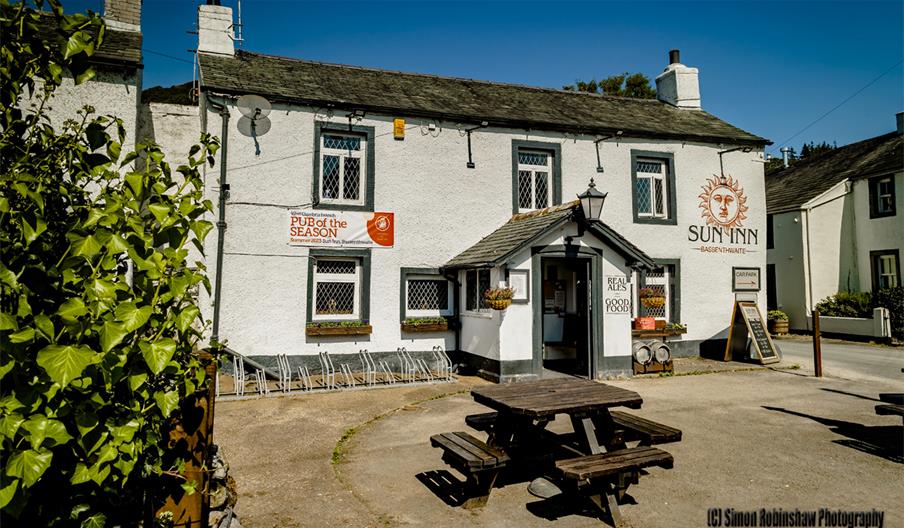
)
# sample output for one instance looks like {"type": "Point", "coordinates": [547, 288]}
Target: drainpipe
{"type": "Point", "coordinates": [456, 310]}
{"type": "Point", "coordinates": [221, 222]}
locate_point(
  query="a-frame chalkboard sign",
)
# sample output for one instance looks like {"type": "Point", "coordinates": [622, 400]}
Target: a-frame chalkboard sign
{"type": "Point", "coordinates": [746, 321]}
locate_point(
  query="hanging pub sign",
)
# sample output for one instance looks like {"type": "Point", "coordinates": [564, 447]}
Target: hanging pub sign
{"type": "Point", "coordinates": [317, 228]}
{"type": "Point", "coordinates": [746, 322]}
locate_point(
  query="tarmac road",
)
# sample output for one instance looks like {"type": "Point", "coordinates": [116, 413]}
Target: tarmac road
{"type": "Point", "coordinates": [848, 360]}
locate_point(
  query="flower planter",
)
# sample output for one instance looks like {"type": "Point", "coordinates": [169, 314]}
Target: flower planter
{"type": "Point", "coordinates": [645, 323]}
{"type": "Point", "coordinates": [778, 326]}
{"type": "Point", "coordinates": [433, 327]}
{"type": "Point", "coordinates": [338, 330]}
{"type": "Point", "coordinates": [498, 304]}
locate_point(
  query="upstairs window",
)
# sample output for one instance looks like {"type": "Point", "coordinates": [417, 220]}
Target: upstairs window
{"type": "Point", "coordinates": [476, 283]}
{"type": "Point", "coordinates": [343, 167]}
{"type": "Point", "coordinates": [341, 163]}
{"type": "Point", "coordinates": [653, 187]}
{"type": "Point", "coordinates": [882, 197]}
{"type": "Point", "coordinates": [337, 288]}
{"type": "Point", "coordinates": [534, 171]}
{"type": "Point", "coordinates": [536, 175]}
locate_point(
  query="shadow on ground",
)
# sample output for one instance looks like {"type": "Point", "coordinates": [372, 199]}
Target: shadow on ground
{"type": "Point", "coordinates": [879, 440]}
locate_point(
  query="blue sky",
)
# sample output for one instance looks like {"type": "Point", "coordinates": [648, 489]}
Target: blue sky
{"type": "Point", "coordinates": [770, 68]}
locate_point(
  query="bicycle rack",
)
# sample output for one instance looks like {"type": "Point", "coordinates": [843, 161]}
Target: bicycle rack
{"type": "Point", "coordinates": [238, 371]}
{"type": "Point", "coordinates": [347, 374]}
{"type": "Point", "coordinates": [285, 372]}
{"type": "Point", "coordinates": [407, 367]}
{"type": "Point", "coordinates": [262, 387]}
{"type": "Point", "coordinates": [304, 376]}
{"type": "Point", "coordinates": [369, 367]}
{"type": "Point", "coordinates": [327, 371]}
{"type": "Point", "coordinates": [443, 362]}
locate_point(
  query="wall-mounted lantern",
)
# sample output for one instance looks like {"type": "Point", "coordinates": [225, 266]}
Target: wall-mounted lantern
{"type": "Point", "coordinates": [592, 202]}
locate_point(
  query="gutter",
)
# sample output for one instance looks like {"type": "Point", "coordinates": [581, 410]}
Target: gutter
{"type": "Point", "coordinates": [221, 221]}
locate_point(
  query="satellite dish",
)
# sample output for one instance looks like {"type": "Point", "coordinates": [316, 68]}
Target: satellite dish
{"type": "Point", "coordinates": [253, 127]}
{"type": "Point", "coordinates": [253, 106]}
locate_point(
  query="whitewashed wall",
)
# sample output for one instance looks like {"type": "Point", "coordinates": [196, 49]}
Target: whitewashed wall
{"type": "Point", "coordinates": [789, 258]}
{"type": "Point", "coordinates": [877, 233]}
{"type": "Point", "coordinates": [441, 209]}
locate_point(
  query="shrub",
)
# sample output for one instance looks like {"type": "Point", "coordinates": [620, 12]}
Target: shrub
{"type": "Point", "coordinates": [776, 315]}
{"type": "Point", "coordinates": [893, 300]}
{"type": "Point", "coordinates": [96, 357]}
{"type": "Point", "coordinates": [422, 321]}
{"type": "Point", "coordinates": [847, 304]}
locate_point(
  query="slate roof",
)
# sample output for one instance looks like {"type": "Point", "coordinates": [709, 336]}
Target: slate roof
{"type": "Point", "coordinates": [791, 188]}
{"type": "Point", "coordinates": [455, 99]}
{"type": "Point", "coordinates": [523, 229]}
{"type": "Point", "coordinates": [119, 47]}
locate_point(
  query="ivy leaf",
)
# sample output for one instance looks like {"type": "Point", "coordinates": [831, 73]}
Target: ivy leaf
{"type": "Point", "coordinates": [9, 424]}
{"type": "Point", "coordinates": [84, 246]}
{"type": "Point", "coordinates": [66, 363]}
{"type": "Point", "coordinates": [160, 211]}
{"type": "Point", "coordinates": [111, 335]}
{"type": "Point", "coordinates": [75, 45]}
{"type": "Point", "coordinates": [135, 181]}
{"type": "Point", "coordinates": [125, 433]}
{"type": "Point", "coordinates": [186, 317]}
{"type": "Point", "coordinates": [8, 492]}
{"type": "Point", "coordinates": [132, 316]}
{"type": "Point", "coordinates": [98, 520]}
{"type": "Point", "coordinates": [6, 368]}
{"type": "Point", "coordinates": [72, 309]}
{"type": "Point", "coordinates": [8, 322]}
{"type": "Point", "coordinates": [200, 228]}
{"type": "Point", "coordinates": [137, 380]}
{"type": "Point", "coordinates": [28, 465]}
{"type": "Point", "coordinates": [23, 336]}
{"type": "Point", "coordinates": [40, 428]}
{"type": "Point", "coordinates": [117, 245]}
{"type": "Point", "coordinates": [45, 327]}
{"type": "Point", "coordinates": [158, 353]}
{"type": "Point", "coordinates": [167, 401]}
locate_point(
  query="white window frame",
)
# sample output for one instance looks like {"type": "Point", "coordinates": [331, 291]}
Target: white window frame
{"type": "Point", "coordinates": [354, 278]}
{"type": "Point", "coordinates": [479, 295]}
{"type": "Point", "coordinates": [342, 154]}
{"type": "Point", "coordinates": [889, 195]}
{"type": "Point", "coordinates": [888, 269]}
{"type": "Point", "coordinates": [663, 179]}
{"type": "Point", "coordinates": [450, 303]}
{"type": "Point", "coordinates": [533, 170]}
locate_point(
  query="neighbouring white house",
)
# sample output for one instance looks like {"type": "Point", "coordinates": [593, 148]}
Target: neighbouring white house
{"type": "Point", "coordinates": [835, 224]}
{"type": "Point", "coordinates": [357, 201]}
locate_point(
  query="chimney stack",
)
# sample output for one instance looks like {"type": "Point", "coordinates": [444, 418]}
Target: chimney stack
{"type": "Point", "coordinates": [123, 15]}
{"type": "Point", "coordinates": [679, 85]}
{"type": "Point", "coordinates": [215, 29]}
{"type": "Point", "coordinates": [900, 119]}
{"type": "Point", "coordinates": [787, 155]}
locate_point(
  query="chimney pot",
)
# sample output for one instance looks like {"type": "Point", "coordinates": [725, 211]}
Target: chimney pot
{"type": "Point", "coordinates": [674, 56]}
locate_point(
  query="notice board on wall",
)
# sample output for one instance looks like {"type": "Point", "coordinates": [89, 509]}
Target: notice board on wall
{"type": "Point", "coordinates": [747, 322]}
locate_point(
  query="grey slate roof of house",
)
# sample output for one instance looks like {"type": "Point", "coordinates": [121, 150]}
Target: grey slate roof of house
{"type": "Point", "coordinates": [119, 47]}
{"type": "Point", "coordinates": [522, 229]}
{"type": "Point", "coordinates": [455, 99]}
{"type": "Point", "coordinates": [790, 188]}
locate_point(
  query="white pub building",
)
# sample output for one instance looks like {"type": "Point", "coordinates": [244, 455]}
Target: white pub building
{"type": "Point", "coordinates": [372, 209]}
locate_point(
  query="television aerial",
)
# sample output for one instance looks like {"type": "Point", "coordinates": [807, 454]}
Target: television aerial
{"type": "Point", "coordinates": [254, 121]}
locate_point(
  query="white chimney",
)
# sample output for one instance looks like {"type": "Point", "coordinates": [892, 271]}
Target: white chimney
{"type": "Point", "coordinates": [215, 30]}
{"type": "Point", "coordinates": [123, 15]}
{"type": "Point", "coordinates": [678, 85]}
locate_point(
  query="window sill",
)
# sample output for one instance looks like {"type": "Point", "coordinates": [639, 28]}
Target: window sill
{"type": "Point", "coordinates": [875, 216]}
{"type": "Point", "coordinates": [423, 328]}
{"type": "Point", "coordinates": [655, 221]}
{"type": "Point", "coordinates": [338, 330]}
{"type": "Point", "coordinates": [488, 314]}
{"type": "Point", "coordinates": [339, 206]}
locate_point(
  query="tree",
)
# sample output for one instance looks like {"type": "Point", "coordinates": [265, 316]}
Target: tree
{"type": "Point", "coordinates": [625, 85]}
{"type": "Point", "coordinates": [812, 150]}
{"type": "Point", "coordinates": [96, 357]}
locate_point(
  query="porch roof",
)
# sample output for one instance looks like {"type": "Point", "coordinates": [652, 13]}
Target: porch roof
{"type": "Point", "coordinates": [524, 229]}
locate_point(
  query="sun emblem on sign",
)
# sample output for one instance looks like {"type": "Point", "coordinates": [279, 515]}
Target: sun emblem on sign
{"type": "Point", "coordinates": [723, 202]}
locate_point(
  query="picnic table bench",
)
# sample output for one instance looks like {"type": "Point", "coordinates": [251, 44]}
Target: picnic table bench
{"type": "Point", "coordinates": [479, 462]}
{"type": "Point", "coordinates": [593, 461]}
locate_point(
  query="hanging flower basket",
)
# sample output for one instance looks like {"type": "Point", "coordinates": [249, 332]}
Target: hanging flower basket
{"type": "Point", "coordinates": [651, 298]}
{"type": "Point", "coordinates": [498, 298]}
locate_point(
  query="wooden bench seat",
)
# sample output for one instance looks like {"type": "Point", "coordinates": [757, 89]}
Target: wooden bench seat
{"type": "Point", "coordinates": [479, 462]}
{"type": "Point", "coordinates": [892, 397]}
{"type": "Point", "coordinates": [614, 463]}
{"type": "Point", "coordinates": [890, 409]}
{"type": "Point", "coordinates": [647, 431]}
{"type": "Point", "coordinates": [481, 422]}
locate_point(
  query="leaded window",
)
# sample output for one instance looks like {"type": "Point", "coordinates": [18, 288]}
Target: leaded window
{"type": "Point", "coordinates": [534, 179]}
{"type": "Point", "coordinates": [885, 270]}
{"type": "Point", "coordinates": [342, 166]}
{"type": "Point", "coordinates": [663, 283]}
{"type": "Point", "coordinates": [882, 197]}
{"type": "Point", "coordinates": [337, 284]}
{"type": "Point", "coordinates": [476, 283]}
{"type": "Point", "coordinates": [427, 296]}
{"type": "Point", "coordinates": [651, 188]}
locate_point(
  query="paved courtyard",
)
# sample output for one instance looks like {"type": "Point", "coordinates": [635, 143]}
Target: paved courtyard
{"type": "Point", "coordinates": [752, 439]}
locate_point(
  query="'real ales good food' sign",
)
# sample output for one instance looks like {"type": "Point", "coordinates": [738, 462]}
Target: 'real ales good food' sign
{"type": "Point", "coordinates": [723, 207]}
{"type": "Point", "coordinates": [346, 229]}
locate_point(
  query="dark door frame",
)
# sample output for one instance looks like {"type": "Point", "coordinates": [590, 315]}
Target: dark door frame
{"type": "Point", "coordinates": [595, 315]}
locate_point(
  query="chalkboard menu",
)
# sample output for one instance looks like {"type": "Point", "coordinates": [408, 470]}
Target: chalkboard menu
{"type": "Point", "coordinates": [746, 322]}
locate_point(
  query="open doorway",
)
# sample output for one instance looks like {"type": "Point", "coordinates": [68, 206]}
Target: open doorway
{"type": "Point", "coordinates": [566, 316]}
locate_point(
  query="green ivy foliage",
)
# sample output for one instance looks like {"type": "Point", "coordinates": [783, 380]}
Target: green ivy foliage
{"type": "Point", "coordinates": [99, 319]}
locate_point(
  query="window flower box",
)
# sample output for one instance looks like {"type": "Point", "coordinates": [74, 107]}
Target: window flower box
{"type": "Point", "coordinates": [425, 324]}
{"type": "Point", "coordinates": [338, 328]}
